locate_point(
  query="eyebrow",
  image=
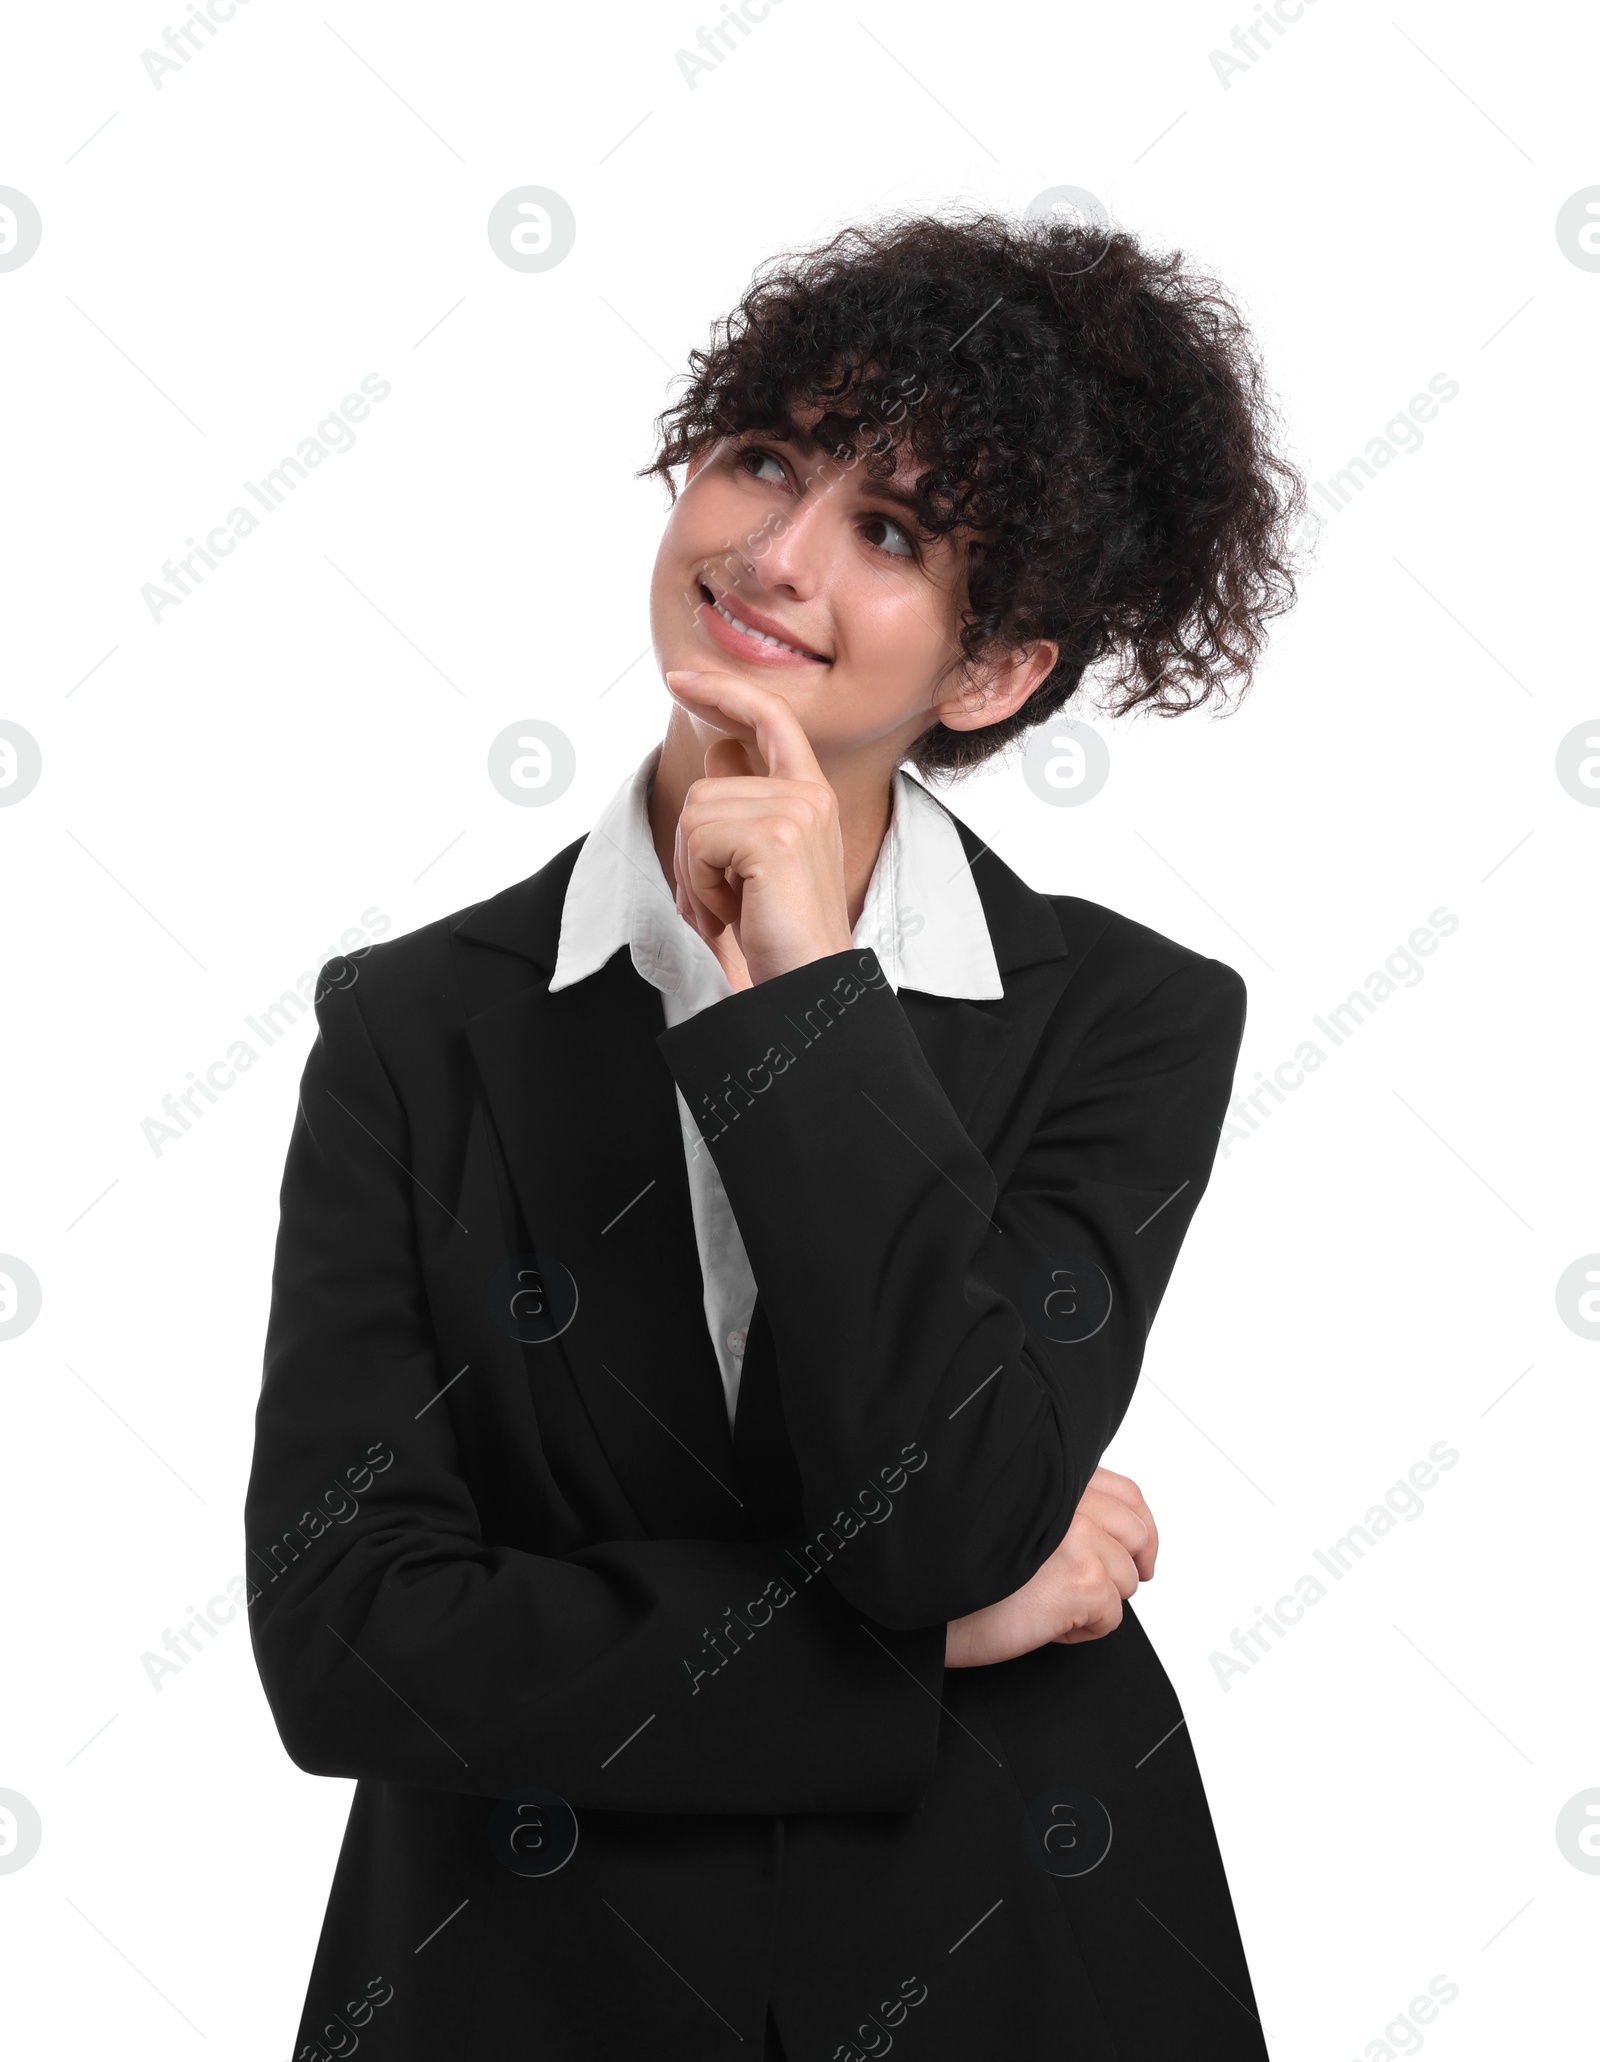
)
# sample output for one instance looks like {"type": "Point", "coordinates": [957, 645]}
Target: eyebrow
{"type": "Point", "coordinates": [807, 445]}
{"type": "Point", "coordinates": [889, 492]}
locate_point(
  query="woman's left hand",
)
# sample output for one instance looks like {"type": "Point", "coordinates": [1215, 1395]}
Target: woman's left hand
{"type": "Point", "coordinates": [759, 854]}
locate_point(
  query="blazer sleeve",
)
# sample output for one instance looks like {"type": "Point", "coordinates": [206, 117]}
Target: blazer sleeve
{"type": "Point", "coordinates": [402, 1645]}
{"type": "Point", "coordinates": [910, 1299]}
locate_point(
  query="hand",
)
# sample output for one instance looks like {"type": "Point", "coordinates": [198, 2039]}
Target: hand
{"type": "Point", "coordinates": [1077, 1595]}
{"type": "Point", "coordinates": [759, 854]}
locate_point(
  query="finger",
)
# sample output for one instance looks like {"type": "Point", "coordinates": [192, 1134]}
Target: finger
{"type": "Point", "coordinates": [1128, 1493]}
{"type": "Point", "coordinates": [728, 824]}
{"type": "Point", "coordinates": [1119, 1521]}
{"type": "Point", "coordinates": [708, 800]}
{"type": "Point", "coordinates": [727, 759]}
{"type": "Point", "coordinates": [1106, 1617]}
{"type": "Point", "coordinates": [1119, 1564]}
{"type": "Point", "coordinates": [721, 857]}
{"type": "Point", "coordinates": [780, 739]}
{"type": "Point", "coordinates": [713, 857]}
{"type": "Point", "coordinates": [1102, 1559]}
{"type": "Point", "coordinates": [710, 913]}
{"type": "Point", "coordinates": [1110, 1483]}
{"type": "Point", "coordinates": [749, 831]}
{"type": "Point", "coordinates": [700, 916]}
{"type": "Point", "coordinates": [716, 787]}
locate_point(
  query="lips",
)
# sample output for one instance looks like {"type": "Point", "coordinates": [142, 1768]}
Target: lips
{"type": "Point", "coordinates": [750, 632]}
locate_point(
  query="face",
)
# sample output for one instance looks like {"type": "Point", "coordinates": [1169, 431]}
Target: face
{"type": "Point", "coordinates": [807, 574]}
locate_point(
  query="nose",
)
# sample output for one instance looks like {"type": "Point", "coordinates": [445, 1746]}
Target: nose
{"type": "Point", "coordinates": [788, 555]}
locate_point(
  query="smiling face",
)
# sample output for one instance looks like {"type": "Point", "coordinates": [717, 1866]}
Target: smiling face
{"type": "Point", "coordinates": [812, 576]}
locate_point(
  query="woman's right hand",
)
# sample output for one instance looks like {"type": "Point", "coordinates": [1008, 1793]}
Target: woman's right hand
{"type": "Point", "coordinates": [1078, 1594]}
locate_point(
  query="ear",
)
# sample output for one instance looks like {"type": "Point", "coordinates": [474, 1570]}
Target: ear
{"type": "Point", "coordinates": [999, 689]}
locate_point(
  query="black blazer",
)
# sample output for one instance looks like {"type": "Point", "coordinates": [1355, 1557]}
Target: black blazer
{"type": "Point", "coordinates": [649, 1723]}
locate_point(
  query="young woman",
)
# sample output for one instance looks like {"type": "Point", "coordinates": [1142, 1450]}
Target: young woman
{"type": "Point", "coordinates": [711, 1269]}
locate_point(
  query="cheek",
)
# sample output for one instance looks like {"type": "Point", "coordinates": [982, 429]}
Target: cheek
{"type": "Point", "coordinates": [900, 640]}
{"type": "Point", "coordinates": [684, 534]}
{"type": "Point", "coordinates": [686, 539]}
{"type": "Point", "coordinates": [705, 517]}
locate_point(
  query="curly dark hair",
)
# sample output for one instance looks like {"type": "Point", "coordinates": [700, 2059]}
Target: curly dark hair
{"type": "Point", "coordinates": [1091, 415]}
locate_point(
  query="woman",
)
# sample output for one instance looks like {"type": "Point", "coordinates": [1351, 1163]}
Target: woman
{"type": "Point", "coordinates": [711, 1269]}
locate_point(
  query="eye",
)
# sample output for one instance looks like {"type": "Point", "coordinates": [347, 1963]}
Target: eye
{"type": "Point", "coordinates": [897, 543]}
{"type": "Point", "coordinates": [762, 458]}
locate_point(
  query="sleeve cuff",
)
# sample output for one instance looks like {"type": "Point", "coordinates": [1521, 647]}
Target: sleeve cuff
{"type": "Point", "coordinates": [747, 1051]}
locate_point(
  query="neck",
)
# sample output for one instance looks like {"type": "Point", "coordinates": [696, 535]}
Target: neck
{"type": "Point", "coordinates": [863, 782]}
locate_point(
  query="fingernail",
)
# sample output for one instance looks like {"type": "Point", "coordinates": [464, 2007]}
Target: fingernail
{"type": "Point", "coordinates": [679, 673]}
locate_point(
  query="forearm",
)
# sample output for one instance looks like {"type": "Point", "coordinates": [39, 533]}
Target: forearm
{"type": "Point", "coordinates": [908, 1297]}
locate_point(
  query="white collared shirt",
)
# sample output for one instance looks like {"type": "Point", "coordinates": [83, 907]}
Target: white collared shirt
{"type": "Point", "coordinates": [922, 917]}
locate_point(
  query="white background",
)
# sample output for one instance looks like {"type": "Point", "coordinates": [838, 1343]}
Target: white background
{"type": "Point", "coordinates": [304, 739]}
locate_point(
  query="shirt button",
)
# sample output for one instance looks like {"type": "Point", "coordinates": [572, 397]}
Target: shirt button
{"type": "Point", "coordinates": [736, 1344]}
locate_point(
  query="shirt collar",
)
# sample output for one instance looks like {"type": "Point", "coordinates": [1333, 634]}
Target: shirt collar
{"type": "Point", "coordinates": [922, 914]}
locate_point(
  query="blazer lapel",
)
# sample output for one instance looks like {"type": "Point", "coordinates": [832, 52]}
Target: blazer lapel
{"type": "Point", "coordinates": [979, 1049]}
{"type": "Point", "coordinates": [587, 1114]}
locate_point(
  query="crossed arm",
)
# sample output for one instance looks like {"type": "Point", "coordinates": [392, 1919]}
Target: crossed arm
{"type": "Point", "coordinates": [897, 1280]}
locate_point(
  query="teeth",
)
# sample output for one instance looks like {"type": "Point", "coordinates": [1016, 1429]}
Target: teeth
{"type": "Point", "coordinates": [728, 616]}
